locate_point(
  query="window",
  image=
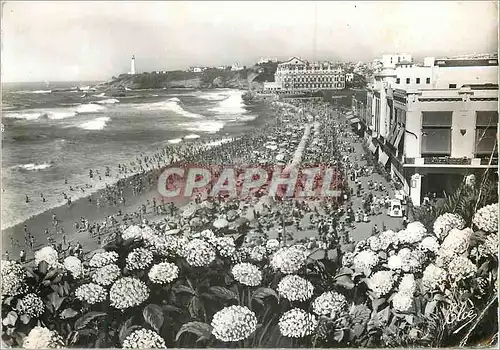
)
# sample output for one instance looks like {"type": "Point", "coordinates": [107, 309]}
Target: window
{"type": "Point", "coordinates": [486, 132]}
{"type": "Point", "coordinates": [407, 80]}
{"type": "Point", "coordinates": [398, 80]}
{"type": "Point", "coordinates": [452, 86]}
{"type": "Point", "coordinates": [436, 134]}
{"type": "Point", "coordinates": [418, 81]}
{"type": "Point", "coordinates": [427, 80]}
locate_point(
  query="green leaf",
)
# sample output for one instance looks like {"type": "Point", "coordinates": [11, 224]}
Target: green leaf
{"type": "Point", "coordinates": [56, 300]}
{"type": "Point", "coordinates": [124, 329]}
{"type": "Point", "coordinates": [10, 320]}
{"type": "Point", "coordinates": [338, 335]}
{"type": "Point", "coordinates": [68, 313]}
{"type": "Point", "coordinates": [223, 293]}
{"type": "Point", "coordinates": [170, 308]}
{"type": "Point", "coordinates": [101, 340]}
{"type": "Point", "coordinates": [409, 319]}
{"type": "Point", "coordinates": [201, 329]}
{"type": "Point", "coordinates": [344, 271]}
{"type": "Point", "coordinates": [345, 281]}
{"type": "Point", "coordinates": [8, 300]}
{"type": "Point", "coordinates": [376, 303]}
{"type": "Point", "coordinates": [153, 314]}
{"type": "Point", "coordinates": [360, 314]}
{"type": "Point", "coordinates": [195, 307]}
{"type": "Point", "coordinates": [430, 307]}
{"type": "Point", "coordinates": [264, 292]}
{"type": "Point", "coordinates": [51, 274]}
{"type": "Point", "coordinates": [85, 319]}
{"type": "Point", "coordinates": [43, 267]}
{"type": "Point", "coordinates": [183, 289]}
{"type": "Point", "coordinates": [25, 319]}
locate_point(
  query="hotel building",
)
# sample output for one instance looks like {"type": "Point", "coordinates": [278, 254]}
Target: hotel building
{"type": "Point", "coordinates": [431, 125]}
{"type": "Point", "coordinates": [297, 76]}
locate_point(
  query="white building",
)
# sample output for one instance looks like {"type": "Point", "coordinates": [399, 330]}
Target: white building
{"type": "Point", "coordinates": [132, 65]}
{"type": "Point", "coordinates": [236, 67]}
{"type": "Point", "coordinates": [430, 125]}
{"type": "Point", "coordinates": [349, 77]}
{"type": "Point", "coordinates": [267, 59]}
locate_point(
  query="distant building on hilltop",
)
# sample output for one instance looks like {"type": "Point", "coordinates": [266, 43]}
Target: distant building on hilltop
{"type": "Point", "coordinates": [297, 75]}
{"type": "Point", "coordinates": [197, 69]}
{"type": "Point", "coordinates": [132, 65]}
{"type": "Point", "coordinates": [267, 60]}
{"type": "Point", "coordinates": [349, 77]}
{"type": "Point", "coordinates": [236, 67]}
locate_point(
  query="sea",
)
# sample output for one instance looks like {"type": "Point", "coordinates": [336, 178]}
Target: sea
{"type": "Point", "coordinates": [57, 132]}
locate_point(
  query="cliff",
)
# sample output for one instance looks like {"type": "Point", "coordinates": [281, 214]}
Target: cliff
{"type": "Point", "coordinates": [248, 78]}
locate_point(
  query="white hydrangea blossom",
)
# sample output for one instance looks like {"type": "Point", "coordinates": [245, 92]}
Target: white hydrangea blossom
{"type": "Point", "coordinates": [258, 253]}
{"type": "Point", "coordinates": [234, 323]}
{"type": "Point", "coordinates": [199, 253]}
{"type": "Point", "coordinates": [488, 247]}
{"type": "Point", "coordinates": [128, 292]}
{"type": "Point", "coordinates": [394, 262]}
{"type": "Point", "coordinates": [74, 266]}
{"type": "Point", "coordinates": [348, 259]}
{"type": "Point", "coordinates": [225, 245]}
{"type": "Point", "coordinates": [106, 274]}
{"type": "Point", "coordinates": [374, 243]}
{"type": "Point", "coordinates": [13, 276]}
{"type": "Point", "coordinates": [429, 244]}
{"type": "Point", "coordinates": [132, 232]}
{"type": "Point", "coordinates": [91, 293]}
{"type": "Point", "coordinates": [413, 233]}
{"type": "Point", "coordinates": [411, 260]}
{"type": "Point", "coordinates": [43, 338]}
{"type": "Point", "coordinates": [408, 284]}
{"type": "Point", "coordinates": [365, 260]}
{"type": "Point", "coordinates": [360, 246]}
{"type": "Point", "coordinates": [433, 277]}
{"type": "Point", "coordinates": [402, 301]}
{"type": "Point", "coordinates": [456, 243]}
{"type": "Point", "coordinates": [247, 274]}
{"type": "Point", "coordinates": [381, 283]}
{"type": "Point", "coordinates": [31, 305]}
{"type": "Point", "coordinates": [139, 259]}
{"type": "Point", "coordinates": [103, 259]}
{"type": "Point", "coordinates": [208, 236]}
{"type": "Point", "coordinates": [297, 323]}
{"type": "Point", "coordinates": [289, 260]}
{"type": "Point", "coordinates": [388, 238]}
{"type": "Point", "coordinates": [486, 218]}
{"type": "Point", "coordinates": [293, 288]}
{"type": "Point", "coordinates": [461, 268]}
{"type": "Point", "coordinates": [272, 245]}
{"type": "Point", "coordinates": [329, 303]}
{"type": "Point", "coordinates": [49, 255]}
{"type": "Point", "coordinates": [446, 222]}
{"type": "Point", "coordinates": [163, 273]}
{"type": "Point", "coordinates": [144, 339]}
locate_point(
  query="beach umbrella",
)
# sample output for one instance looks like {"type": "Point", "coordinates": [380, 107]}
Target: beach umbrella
{"type": "Point", "coordinates": [207, 204]}
{"type": "Point", "coordinates": [231, 215]}
{"type": "Point", "coordinates": [220, 223]}
{"type": "Point", "coordinates": [172, 232]}
{"type": "Point", "coordinates": [280, 157]}
{"type": "Point", "coordinates": [195, 222]}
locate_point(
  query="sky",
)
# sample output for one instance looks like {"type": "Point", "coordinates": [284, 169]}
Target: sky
{"type": "Point", "coordinates": [57, 41]}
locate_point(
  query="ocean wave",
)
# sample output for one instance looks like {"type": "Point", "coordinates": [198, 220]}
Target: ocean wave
{"type": "Point", "coordinates": [102, 94]}
{"type": "Point", "coordinates": [213, 96]}
{"type": "Point", "coordinates": [108, 101]}
{"type": "Point", "coordinates": [55, 113]}
{"type": "Point", "coordinates": [172, 104]}
{"type": "Point", "coordinates": [232, 104]}
{"type": "Point", "coordinates": [89, 108]}
{"type": "Point", "coordinates": [191, 136]}
{"type": "Point", "coordinates": [209, 126]}
{"type": "Point", "coordinates": [95, 124]}
{"type": "Point", "coordinates": [173, 141]}
{"type": "Point", "coordinates": [32, 166]}
{"type": "Point", "coordinates": [32, 92]}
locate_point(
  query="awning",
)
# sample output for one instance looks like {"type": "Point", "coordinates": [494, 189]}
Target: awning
{"type": "Point", "coordinates": [401, 131]}
{"type": "Point", "coordinates": [372, 147]}
{"type": "Point", "coordinates": [354, 120]}
{"type": "Point", "coordinates": [383, 158]}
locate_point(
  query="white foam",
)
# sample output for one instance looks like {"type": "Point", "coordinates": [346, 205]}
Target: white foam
{"type": "Point", "coordinates": [84, 88]}
{"type": "Point", "coordinates": [233, 104]}
{"type": "Point", "coordinates": [191, 136]}
{"type": "Point", "coordinates": [213, 96]}
{"type": "Point", "coordinates": [95, 124]}
{"type": "Point", "coordinates": [172, 104]}
{"type": "Point", "coordinates": [89, 108]}
{"type": "Point", "coordinates": [209, 126]}
{"type": "Point", "coordinates": [108, 101]}
{"type": "Point", "coordinates": [32, 166]}
{"type": "Point", "coordinates": [173, 141]}
{"type": "Point", "coordinates": [102, 94]}
{"type": "Point", "coordinates": [32, 92]}
{"type": "Point", "coordinates": [23, 115]}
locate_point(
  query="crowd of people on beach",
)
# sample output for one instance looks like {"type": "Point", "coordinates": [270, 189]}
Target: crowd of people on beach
{"type": "Point", "coordinates": [301, 131]}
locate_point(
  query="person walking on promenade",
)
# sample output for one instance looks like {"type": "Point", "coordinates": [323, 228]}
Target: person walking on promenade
{"type": "Point", "coordinates": [22, 256]}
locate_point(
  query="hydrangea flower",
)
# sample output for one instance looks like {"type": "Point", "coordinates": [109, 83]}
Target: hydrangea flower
{"type": "Point", "coordinates": [240, 255]}
{"type": "Point", "coordinates": [132, 232]}
{"type": "Point", "coordinates": [394, 262]}
{"type": "Point", "coordinates": [91, 293]}
{"type": "Point", "coordinates": [247, 274]}
{"type": "Point", "coordinates": [163, 273]}
{"type": "Point", "coordinates": [366, 259]}
{"type": "Point", "coordinates": [329, 303]}
{"type": "Point", "coordinates": [199, 253]}
{"type": "Point", "coordinates": [258, 253]}
{"type": "Point", "coordinates": [374, 243]}
{"type": "Point", "coordinates": [49, 255]}
{"type": "Point", "coordinates": [139, 259]}
{"type": "Point", "coordinates": [381, 283]}
{"type": "Point", "coordinates": [413, 233]}
{"type": "Point", "coordinates": [360, 246]}
{"type": "Point", "coordinates": [348, 259]}
{"type": "Point", "coordinates": [461, 268]}
{"type": "Point", "coordinates": [388, 238]}
{"type": "Point", "coordinates": [488, 247]}
{"type": "Point", "coordinates": [289, 260]}
{"type": "Point", "coordinates": [225, 245]}
{"type": "Point", "coordinates": [408, 284]}
{"type": "Point", "coordinates": [103, 259]}
{"type": "Point", "coordinates": [128, 292]}
{"type": "Point", "coordinates": [272, 245]}
{"type": "Point", "coordinates": [13, 276]}
{"type": "Point", "coordinates": [74, 266]}
{"type": "Point", "coordinates": [429, 244]}
{"type": "Point", "coordinates": [293, 288]}
{"type": "Point", "coordinates": [234, 323]}
{"type": "Point", "coordinates": [446, 222]}
{"type": "Point", "coordinates": [433, 277]}
{"type": "Point", "coordinates": [208, 236]}
{"type": "Point", "coordinates": [402, 301]}
{"type": "Point", "coordinates": [297, 323]}
{"type": "Point", "coordinates": [106, 274]}
{"type": "Point", "coordinates": [411, 260]}
{"type": "Point", "coordinates": [144, 339]}
{"type": "Point", "coordinates": [31, 305]}
{"type": "Point", "coordinates": [43, 338]}
{"type": "Point", "coordinates": [456, 243]}
{"type": "Point", "coordinates": [486, 218]}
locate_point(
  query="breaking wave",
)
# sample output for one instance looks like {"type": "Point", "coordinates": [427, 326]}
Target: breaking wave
{"type": "Point", "coordinates": [172, 104]}
{"type": "Point", "coordinates": [209, 126]}
{"type": "Point", "coordinates": [95, 124]}
{"type": "Point", "coordinates": [232, 104]}
{"type": "Point", "coordinates": [32, 166]}
{"type": "Point", "coordinates": [108, 101]}
{"type": "Point", "coordinates": [55, 113]}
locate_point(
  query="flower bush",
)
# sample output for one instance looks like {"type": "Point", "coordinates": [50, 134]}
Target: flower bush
{"type": "Point", "coordinates": [234, 323]}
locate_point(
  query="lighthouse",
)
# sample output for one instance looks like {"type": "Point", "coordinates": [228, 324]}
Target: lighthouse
{"type": "Point", "coordinates": [132, 65]}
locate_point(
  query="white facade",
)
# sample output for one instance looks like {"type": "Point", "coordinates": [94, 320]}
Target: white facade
{"type": "Point", "coordinates": [236, 67]}
{"type": "Point", "coordinates": [272, 86]}
{"type": "Point", "coordinates": [267, 59]}
{"type": "Point", "coordinates": [390, 60]}
{"type": "Point", "coordinates": [132, 66]}
{"type": "Point", "coordinates": [349, 77]}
